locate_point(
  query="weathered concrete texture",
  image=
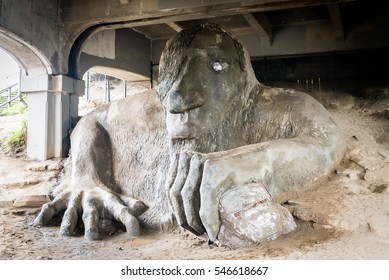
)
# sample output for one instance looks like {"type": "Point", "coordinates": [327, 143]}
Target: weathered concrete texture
{"type": "Point", "coordinates": [250, 213]}
{"type": "Point", "coordinates": [53, 109]}
{"type": "Point", "coordinates": [200, 139]}
{"type": "Point", "coordinates": [122, 49]}
{"type": "Point", "coordinates": [27, 56]}
{"type": "Point", "coordinates": [36, 25]}
{"type": "Point", "coordinates": [326, 33]}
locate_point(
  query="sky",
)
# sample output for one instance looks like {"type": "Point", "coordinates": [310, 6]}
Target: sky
{"type": "Point", "coordinates": [9, 70]}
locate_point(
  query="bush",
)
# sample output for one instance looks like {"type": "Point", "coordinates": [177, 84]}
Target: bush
{"type": "Point", "coordinates": [16, 140]}
{"type": "Point", "coordinates": [17, 108]}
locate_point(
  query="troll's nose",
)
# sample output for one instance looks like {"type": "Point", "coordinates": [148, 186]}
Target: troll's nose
{"type": "Point", "coordinates": [178, 102]}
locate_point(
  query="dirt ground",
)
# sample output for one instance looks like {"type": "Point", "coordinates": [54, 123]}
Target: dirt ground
{"type": "Point", "coordinates": [347, 217]}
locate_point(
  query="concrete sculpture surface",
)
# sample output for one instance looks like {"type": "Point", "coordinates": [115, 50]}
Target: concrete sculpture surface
{"type": "Point", "coordinates": [214, 151]}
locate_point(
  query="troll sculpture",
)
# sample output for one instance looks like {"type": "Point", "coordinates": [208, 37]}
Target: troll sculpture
{"type": "Point", "coordinates": [213, 151]}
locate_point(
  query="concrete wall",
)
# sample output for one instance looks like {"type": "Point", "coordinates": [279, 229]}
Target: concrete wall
{"type": "Point", "coordinates": [318, 37]}
{"type": "Point", "coordinates": [123, 49]}
{"type": "Point", "coordinates": [35, 25]}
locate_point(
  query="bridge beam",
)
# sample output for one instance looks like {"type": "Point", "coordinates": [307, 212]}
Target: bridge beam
{"type": "Point", "coordinates": [52, 111]}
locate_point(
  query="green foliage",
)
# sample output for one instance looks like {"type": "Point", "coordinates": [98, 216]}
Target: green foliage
{"type": "Point", "coordinates": [17, 108]}
{"type": "Point", "coordinates": [17, 138]}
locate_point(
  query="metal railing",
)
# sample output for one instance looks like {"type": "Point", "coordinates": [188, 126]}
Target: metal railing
{"type": "Point", "coordinates": [9, 96]}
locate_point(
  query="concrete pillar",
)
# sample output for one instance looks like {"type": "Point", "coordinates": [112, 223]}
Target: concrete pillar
{"type": "Point", "coordinates": [52, 111]}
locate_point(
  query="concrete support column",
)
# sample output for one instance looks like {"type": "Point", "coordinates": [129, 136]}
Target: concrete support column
{"type": "Point", "coordinates": [52, 111]}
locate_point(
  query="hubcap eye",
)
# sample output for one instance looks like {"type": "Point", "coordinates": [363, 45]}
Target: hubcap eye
{"type": "Point", "coordinates": [219, 65]}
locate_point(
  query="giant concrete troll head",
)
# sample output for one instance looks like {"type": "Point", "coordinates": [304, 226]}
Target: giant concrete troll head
{"type": "Point", "coordinates": [215, 152]}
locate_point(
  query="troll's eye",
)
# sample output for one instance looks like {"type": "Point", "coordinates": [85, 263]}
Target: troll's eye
{"type": "Point", "coordinates": [219, 65]}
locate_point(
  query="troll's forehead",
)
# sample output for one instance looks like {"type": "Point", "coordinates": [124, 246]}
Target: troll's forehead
{"type": "Point", "coordinates": [209, 40]}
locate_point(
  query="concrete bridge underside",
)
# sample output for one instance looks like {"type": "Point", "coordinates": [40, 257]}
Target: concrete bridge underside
{"type": "Point", "coordinates": [56, 42]}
